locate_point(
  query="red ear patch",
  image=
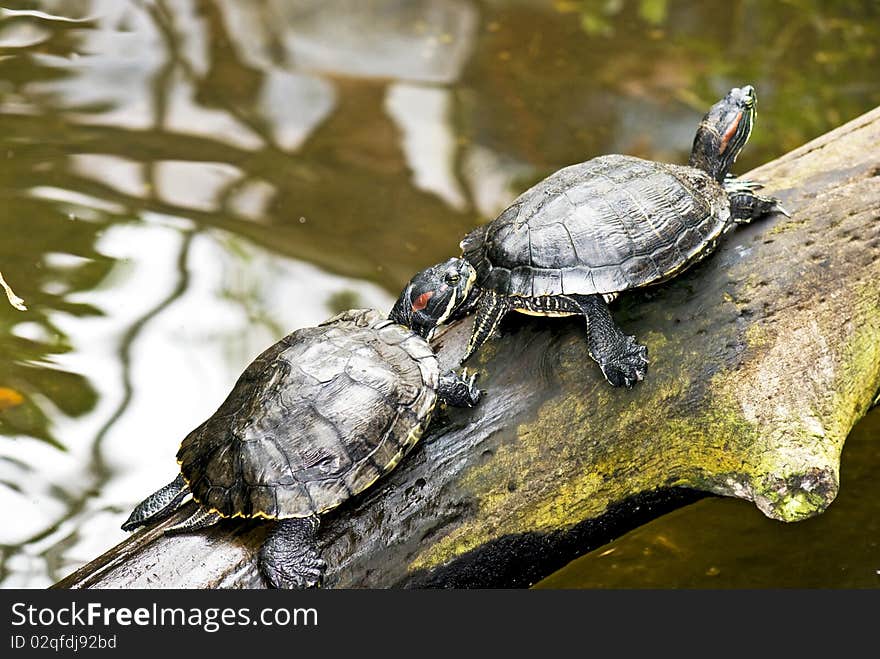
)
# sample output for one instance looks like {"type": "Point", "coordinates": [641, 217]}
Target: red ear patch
{"type": "Point", "coordinates": [730, 133]}
{"type": "Point", "coordinates": [422, 301]}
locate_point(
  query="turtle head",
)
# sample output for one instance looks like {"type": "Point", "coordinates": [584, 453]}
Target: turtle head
{"type": "Point", "coordinates": [724, 131]}
{"type": "Point", "coordinates": [433, 295]}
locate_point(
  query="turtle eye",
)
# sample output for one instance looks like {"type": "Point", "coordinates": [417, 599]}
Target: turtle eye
{"type": "Point", "coordinates": [452, 278]}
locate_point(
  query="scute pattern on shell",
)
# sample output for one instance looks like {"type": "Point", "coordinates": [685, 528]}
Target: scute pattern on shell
{"type": "Point", "coordinates": [611, 223]}
{"type": "Point", "coordinates": [315, 419]}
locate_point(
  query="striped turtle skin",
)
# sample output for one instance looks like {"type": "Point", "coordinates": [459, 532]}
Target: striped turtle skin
{"type": "Point", "coordinates": [600, 227]}
{"type": "Point", "coordinates": [316, 419]}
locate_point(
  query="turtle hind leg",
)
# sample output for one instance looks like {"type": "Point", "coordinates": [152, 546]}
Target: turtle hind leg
{"type": "Point", "coordinates": [289, 557]}
{"type": "Point", "coordinates": [158, 505]}
{"type": "Point", "coordinates": [491, 308]}
{"type": "Point", "coordinates": [200, 518]}
{"type": "Point", "coordinates": [746, 205]}
{"type": "Point", "coordinates": [623, 361]}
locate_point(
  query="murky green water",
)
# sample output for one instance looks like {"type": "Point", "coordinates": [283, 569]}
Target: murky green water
{"type": "Point", "coordinates": [183, 182]}
{"type": "Point", "coordinates": [728, 543]}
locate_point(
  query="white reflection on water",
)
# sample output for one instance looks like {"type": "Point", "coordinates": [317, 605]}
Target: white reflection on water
{"type": "Point", "coordinates": [187, 117]}
{"type": "Point", "coordinates": [172, 339]}
{"type": "Point", "coordinates": [423, 113]}
{"type": "Point", "coordinates": [294, 104]}
{"type": "Point", "coordinates": [416, 40]}
{"type": "Point", "coordinates": [120, 174]}
{"type": "Point", "coordinates": [231, 302]}
{"type": "Point", "coordinates": [136, 68]}
{"type": "Point", "coordinates": [194, 185]}
{"type": "Point", "coordinates": [118, 57]}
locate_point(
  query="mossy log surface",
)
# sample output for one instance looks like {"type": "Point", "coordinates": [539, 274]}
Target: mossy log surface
{"type": "Point", "coordinates": [763, 357]}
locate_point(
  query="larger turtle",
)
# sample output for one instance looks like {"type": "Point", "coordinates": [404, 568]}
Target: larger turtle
{"type": "Point", "coordinates": [316, 419]}
{"type": "Point", "coordinates": [575, 240]}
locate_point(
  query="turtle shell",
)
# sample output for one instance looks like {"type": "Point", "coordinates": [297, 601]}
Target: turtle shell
{"type": "Point", "coordinates": [314, 420]}
{"type": "Point", "coordinates": [603, 226]}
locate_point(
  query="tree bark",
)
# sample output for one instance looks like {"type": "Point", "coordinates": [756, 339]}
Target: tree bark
{"type": "Point", "coordinates": [763, 357]}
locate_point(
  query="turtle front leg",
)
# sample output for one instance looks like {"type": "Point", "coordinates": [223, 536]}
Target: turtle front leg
{"type": "Point", "coordinates": [746, 205]}
{"type": "Point", "coordinates": [289, 557]}
{"type": "Point", "coordinates": [459, 390]}
{"type": "Point", "coordinates": [491, 308]}
{"type": "Point", "coordinates": [623, 361]}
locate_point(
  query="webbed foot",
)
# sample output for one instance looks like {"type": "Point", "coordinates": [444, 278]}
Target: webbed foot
{"type": "Point", "coordinates": [746, 205]}
{"type": "Point", "coordinates": [459, 390]}
{"type": "Point", "coordinates": [289, 557]}
{"type": "Point", "coordinates": [623, 361]}
{"type": "Point", "coordinates": [627, 365]}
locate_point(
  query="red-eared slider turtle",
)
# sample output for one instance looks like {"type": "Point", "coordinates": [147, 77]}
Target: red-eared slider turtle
{"type": "Point", "coordinates": [316, 419]}
{"type": "Point", "coordinates": [575, 240]}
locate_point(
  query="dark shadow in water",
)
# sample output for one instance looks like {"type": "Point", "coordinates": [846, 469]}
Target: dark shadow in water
{"type": "Point", "coordinates": [680, 538]}
{"type": "Point", "coordinates": [518, 561]}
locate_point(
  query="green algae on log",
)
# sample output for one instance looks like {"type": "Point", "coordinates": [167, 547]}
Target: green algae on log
{"type": "Point", "coordinates": [763, 357]}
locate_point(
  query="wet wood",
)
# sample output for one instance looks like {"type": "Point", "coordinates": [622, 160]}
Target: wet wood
{"type": "Point", "coordinates": [762, 359]}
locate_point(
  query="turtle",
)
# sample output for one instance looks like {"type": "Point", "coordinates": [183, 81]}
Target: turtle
{"type": "Point", "coordinates": [316, 419]}
{"type": "Point", "coordinates": [575, 240]}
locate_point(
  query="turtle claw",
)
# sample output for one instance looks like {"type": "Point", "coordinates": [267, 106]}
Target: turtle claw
{"type": "Point", "coordinates": [289, 558]}
{"type": "Point", "coordinates": [628, 366]}
{"type": "Point", "coordinates": [459, 390]}
{"type": "Point", "coordinates": [779, 208]}
{"type": "Point", "coordinates": [308, 574]}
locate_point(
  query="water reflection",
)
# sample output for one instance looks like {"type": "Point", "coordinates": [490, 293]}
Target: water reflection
{"type": "Point", "coordinates": [181, 311]}
{"type": "Point", "coordinates": [184, 181]}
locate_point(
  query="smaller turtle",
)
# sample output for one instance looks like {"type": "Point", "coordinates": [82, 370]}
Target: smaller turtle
{"type": "Point", "coordinates": [570, 244]}
{"type": "Point", "coordinates": [316, 419]}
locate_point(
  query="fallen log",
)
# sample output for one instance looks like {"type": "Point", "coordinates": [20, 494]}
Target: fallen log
{"type": "Point", "coordinates": [763, 357]}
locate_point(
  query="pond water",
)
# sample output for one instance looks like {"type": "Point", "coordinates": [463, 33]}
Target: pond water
{"type": "Point", "coordinates": [183, 182]}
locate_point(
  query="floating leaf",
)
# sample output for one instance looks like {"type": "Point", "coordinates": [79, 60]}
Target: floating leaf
{"type": "Point", "coordinates": [9, 398]}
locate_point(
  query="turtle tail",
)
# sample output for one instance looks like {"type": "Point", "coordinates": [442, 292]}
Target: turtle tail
{"type": "Point", "coordinates": [158, 505]}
